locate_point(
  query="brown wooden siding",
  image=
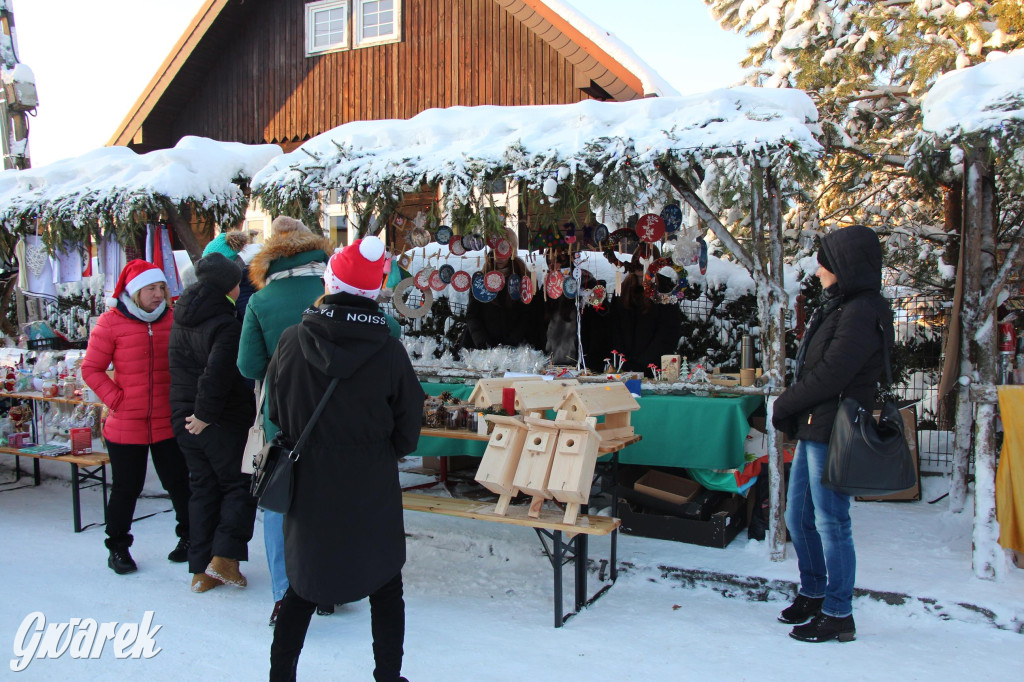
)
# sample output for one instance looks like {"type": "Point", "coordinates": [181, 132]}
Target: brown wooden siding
{"type": "Point", "coordinates": [260, 86]}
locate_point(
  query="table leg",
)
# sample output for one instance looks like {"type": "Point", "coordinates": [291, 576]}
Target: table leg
{"type": "Point", "coordinates": [614, 572]}
{"type": "Point", "coordinates": [556, 562]}
{"type": "Point", "coordinates": [76, 499]}
{"type": "Point", "coordinates": [35, 471]}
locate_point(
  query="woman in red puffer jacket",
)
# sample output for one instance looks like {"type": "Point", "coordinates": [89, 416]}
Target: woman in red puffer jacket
{"type": "Point", "coordinates": [133, 336]}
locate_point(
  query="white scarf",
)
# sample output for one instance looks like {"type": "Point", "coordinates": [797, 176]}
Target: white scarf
{"type": "Point", "coordinates": [138, 312]}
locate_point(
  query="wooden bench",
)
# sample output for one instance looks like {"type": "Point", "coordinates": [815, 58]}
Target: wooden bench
{"type": "Point", "coordinates": [568, 542]}
{"type": "Point", "coordinates": [84, 468]}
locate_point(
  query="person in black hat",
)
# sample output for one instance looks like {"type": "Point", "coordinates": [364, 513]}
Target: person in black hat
{"type": "Point", "coordinates": [212, 408]}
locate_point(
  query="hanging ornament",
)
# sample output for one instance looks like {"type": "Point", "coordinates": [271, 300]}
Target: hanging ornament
{"type": "Point", "coordinates": [570, 287]}
{"type": "Point", "coordinates": [650, 228]}
{"type": "Point", "coordinates": [492, 240]}
{"type": "Point", "coordinates": [503, 248]}
{"type": "Point", "coordinates": [401, 304]}
{"type": "Point", "coordinates": [596, 296]}
{"type": "Point", "coordinates": [422, 278]}
{"type": "Point", "coordinates": [600, 234]}
{"type": "Point", "coordinates": [553, 284]}
{"type": "Point", "coordinates": [672, 216]}
{"type": "Point", "coordinates": [461, 281]}
{"type": "Point", "coordinates": [445, 272]}
{"type": "Point", "coordinates": [443, 234]}
{"type": "Point", "coordinates": [480, 291]}
{"type": "Point", "coordinates": [514, 286]}
{"type": "Point", "coordinates": [527, 287]}
{"type": "Point", "coordinates": [494, 281]}
{"type": "Point", "coordinates": [436, 283]}
{"type": "Point", "coordinates": [419, 237]}
{"type": "Point", "coordinates": [473, 242]}
{"type": "Point", "coordinates": [702, 257]}
{"type": "Point", "coordinates": [405, 261]}
{"type": "Point", "coordinates": [455, 247]}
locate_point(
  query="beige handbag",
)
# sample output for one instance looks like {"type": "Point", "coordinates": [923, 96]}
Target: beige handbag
{"type": "Point", "coordinates": [257, 437]}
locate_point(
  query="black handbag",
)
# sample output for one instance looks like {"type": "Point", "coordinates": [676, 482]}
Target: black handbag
{"type": "Point", "coordinates": [866, 457]}
{"type": "Point", "coordinates": [273, 477]}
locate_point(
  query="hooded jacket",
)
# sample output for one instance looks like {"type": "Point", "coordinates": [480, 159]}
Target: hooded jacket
{"type": "Point", "coordinates": [138, 394]}
{"type": "Point", "coordinates": [841, 353]}
{"type": "Point", "coordinates": [344, 534]}
{"type": "Point", "coordinates": [202, 351]}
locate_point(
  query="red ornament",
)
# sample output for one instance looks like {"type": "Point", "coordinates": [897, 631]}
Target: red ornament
{"type": "Point", "coordinates": [650, 228]}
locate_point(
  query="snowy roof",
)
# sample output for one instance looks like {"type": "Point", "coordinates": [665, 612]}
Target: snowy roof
{"type": "Point", "coordinates": [979, 99]}
{"type": "Point", "coordinates": [112, 183]}
{"type": "Point", "coordinates": [653, 83]}
{"type": "Point", "coordinates": [542, 144]}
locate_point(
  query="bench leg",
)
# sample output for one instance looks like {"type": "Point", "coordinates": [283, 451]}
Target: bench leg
{"type": "Point", "coordinates": [35, 471]}
{"type": "Point", "coordinates": [76, 500]}
{"type": "Point", "coordinates": [558, 551]}
{"type": "Point", "coordinates": [580, 560]}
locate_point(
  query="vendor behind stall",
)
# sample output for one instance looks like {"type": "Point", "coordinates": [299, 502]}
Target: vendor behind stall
{"type": "Point", "coordinates": [505, 321]}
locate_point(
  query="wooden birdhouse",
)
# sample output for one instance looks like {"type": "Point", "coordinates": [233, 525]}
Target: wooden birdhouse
{"type": "Point", "coordinates": [535, 462]}
{"type": "Point", "coordinates": [501, 458]}
{"type": "Point", "coordinates": [488, 392]}
{"type": "Point", "coordinates": [611, 401]}
{"type": "Point", "coordinates": [535, 398]}
{"type": "Point", "coordinates": [572, 470]}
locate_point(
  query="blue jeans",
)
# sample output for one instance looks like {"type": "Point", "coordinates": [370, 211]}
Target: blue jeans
{"type": "Point", "coordinates": [819, 525]}
{"type": "Point", "coordinates": [273, 538]}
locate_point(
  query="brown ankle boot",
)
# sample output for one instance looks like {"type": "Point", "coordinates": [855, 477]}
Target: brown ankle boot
{"type": "Point", "coordinates": [204, 583]}
{"type": "Point", "coordinates": [226, 570]}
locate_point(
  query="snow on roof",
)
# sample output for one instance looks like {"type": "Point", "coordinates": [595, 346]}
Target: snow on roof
{"type": "Point", "coordinates": [653, 83]}
{"type": "Point", "coordinates": [198, 171]}
{"type": "Point", "coordinates": [538, 143]}
{"type": "Point", "coordinates": [981, 98]}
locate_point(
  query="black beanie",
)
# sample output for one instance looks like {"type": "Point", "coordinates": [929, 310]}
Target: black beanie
{"type": "Point", "coordinates": [218, 273]}
{"type": "Point", "coordinates": [823, 260]}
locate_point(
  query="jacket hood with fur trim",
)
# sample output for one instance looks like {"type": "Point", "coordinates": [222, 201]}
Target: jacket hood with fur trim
{"type": "Point", "coordinates": [286, 246]}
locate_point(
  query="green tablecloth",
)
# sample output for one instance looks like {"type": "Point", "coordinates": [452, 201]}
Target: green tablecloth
{"type": "Point", "coordinates": [678, 431]}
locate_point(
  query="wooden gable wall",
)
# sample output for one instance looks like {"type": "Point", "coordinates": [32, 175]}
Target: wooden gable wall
{"type": "Point", "coordinates": [262, 88]}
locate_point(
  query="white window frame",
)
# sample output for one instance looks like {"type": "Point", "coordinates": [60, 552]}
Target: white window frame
{"type": "Point", "coordinates": [357, 25]}
{"type": "Point", "coordinates": [312, 8]}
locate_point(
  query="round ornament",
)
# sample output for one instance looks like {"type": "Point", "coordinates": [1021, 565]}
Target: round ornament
{"type": "Point", "coordinates": [494, 281]}
{"type": "Point", "coordinates": [480, 291]}
{"type": "Point", "coordinates": [553, 284]}
{"type": "Point", "coordinates": [597, 295]}
{"type": "Point", "coordinates": [493, 239]}
{"type": "Point", "coordinates": [436, 283]}
{"type": "Point", "coordinates": [422, 278]}
{"type": "Point", "coordinates": [443, 234]}
{"type": "Point", "coordinates": [456, 247]}
{"type": "Point", "coordinates": [503, 248]}
{"type": "Point", "coordinates": [672, 215]}
{"type": "Point", "coordinates": [473, 242]}
{"type": "Point", "coordinates": [402, 306]}
{"type": "Point", "coordinates": [650, 228]}
{"type": "Point", "coordinates": [515, 283]}
{"type": "Point", "coordinates": [526, 289]}
{"type": "Point", "coordinates": [445, 272]}
{"type": "Point", "coordinates": [461, 281]}
{"type": "Point", "coordinates": [570, 287]}
{"type": "Point", "coordinates": [600, 233]}
{"type": "Point", "coordinates": [702, 257]}
{"type": "Point", "coordinates": [419, 237]}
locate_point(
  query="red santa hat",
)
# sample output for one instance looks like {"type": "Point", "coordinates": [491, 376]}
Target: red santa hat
{"type": "Point", "coordinates": [136, 275]}
{"type": "Point", "coordinates": [358, 268]}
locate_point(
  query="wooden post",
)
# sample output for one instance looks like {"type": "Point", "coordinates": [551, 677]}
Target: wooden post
{"type": "Point", "coordinates": [774, 363]}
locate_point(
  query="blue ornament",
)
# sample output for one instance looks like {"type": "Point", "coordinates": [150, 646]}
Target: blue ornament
{"type": "Point", "coordinates": [480, 291]}
{"type": "Point", "coordinates": [673, 217]}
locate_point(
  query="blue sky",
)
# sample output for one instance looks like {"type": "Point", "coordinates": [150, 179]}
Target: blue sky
{"type": "Point", "coordinates": [93, 59]}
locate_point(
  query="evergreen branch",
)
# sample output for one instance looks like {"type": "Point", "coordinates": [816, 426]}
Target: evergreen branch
{"type": "Point", "coordinates": [1013, 263]}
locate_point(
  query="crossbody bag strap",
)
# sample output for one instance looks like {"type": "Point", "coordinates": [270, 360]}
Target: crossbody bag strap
{"type": "Point", "coordinates": [260, 399]}
{"type": "Point", "coordinates": [294, 455]}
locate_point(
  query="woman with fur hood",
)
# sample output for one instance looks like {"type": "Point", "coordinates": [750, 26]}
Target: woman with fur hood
{"type": "Point", "coordinates": [287, 275]}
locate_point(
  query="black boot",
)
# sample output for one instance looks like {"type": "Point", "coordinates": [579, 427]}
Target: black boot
{"type": "Point", "coordinates": [325, 609]}
{"type": "Point", "coordinates": [121, 562]}
{"type": "Point", "coordinates": [179, 554]}
{"type": "Point", "coordinates": [801, 611]}
{"type": "Point", "coordinates": [824, 628]}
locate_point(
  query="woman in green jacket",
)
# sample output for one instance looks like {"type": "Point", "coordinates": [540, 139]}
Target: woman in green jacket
{"type": "Point", "coordinates": [287, 276]}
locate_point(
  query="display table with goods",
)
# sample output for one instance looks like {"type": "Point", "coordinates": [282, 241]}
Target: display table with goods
{"type": "Point", "coordinates": [44, 415]}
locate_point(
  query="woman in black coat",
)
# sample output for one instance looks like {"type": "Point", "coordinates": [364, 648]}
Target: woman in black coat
{"type": "Point", "coordinates": [840, 355]}
{"type": "Point", "coordinates": [344, 535]}
{"type": "Point", "coordinates": [212, 408]}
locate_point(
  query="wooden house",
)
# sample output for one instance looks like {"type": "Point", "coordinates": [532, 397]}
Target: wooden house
{"type": "Point", "coordinates": [610, 403]}
{"type": "Point", "coordinates": [489, 392]}
{"type": "Point", "coordinates": [282, 71]}
{"type": "Point", "coordinates": [537, 398]}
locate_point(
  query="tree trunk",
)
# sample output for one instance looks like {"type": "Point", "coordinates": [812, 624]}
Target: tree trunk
{"type": "Point", "coordinates": [961, 443]}
{"type": "Point", "coordinates": [774, 363]}
{"type": "Point", "coordinates": [980, 337]}
{"type": "Point", "coordinates": [183, 230]}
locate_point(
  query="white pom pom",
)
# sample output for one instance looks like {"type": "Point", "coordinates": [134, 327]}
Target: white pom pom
{"type": "Point", "coordinates": [111, 302]}
{"type": "Point", "coordinates": [372, 249]}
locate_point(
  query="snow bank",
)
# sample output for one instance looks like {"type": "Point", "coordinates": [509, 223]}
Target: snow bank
{"type": "Point", "coordinates": [978, 99]}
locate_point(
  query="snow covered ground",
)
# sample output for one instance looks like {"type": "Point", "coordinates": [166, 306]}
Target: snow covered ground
{"type": "Point", "coordinates": [479, 605]}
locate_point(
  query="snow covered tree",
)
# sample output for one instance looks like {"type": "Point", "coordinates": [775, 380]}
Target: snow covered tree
{"type": "Point", "coordinates": [866, 64]}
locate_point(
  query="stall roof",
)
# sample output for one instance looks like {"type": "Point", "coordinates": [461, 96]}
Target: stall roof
{"type": "Point", "coordinates": [544, 144]}
{"type": "Point", "coordinates": [114, 182]}
{"type": "Point", "coordinates": [980, 99]}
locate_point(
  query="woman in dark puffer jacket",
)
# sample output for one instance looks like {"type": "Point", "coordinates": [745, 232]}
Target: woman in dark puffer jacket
{"type": "Point", "coordinates": [133, 336]}
{"type": "Point", "coordinates": [212, 408]}
{"type": "Point", "coordinates": [840, 355]}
